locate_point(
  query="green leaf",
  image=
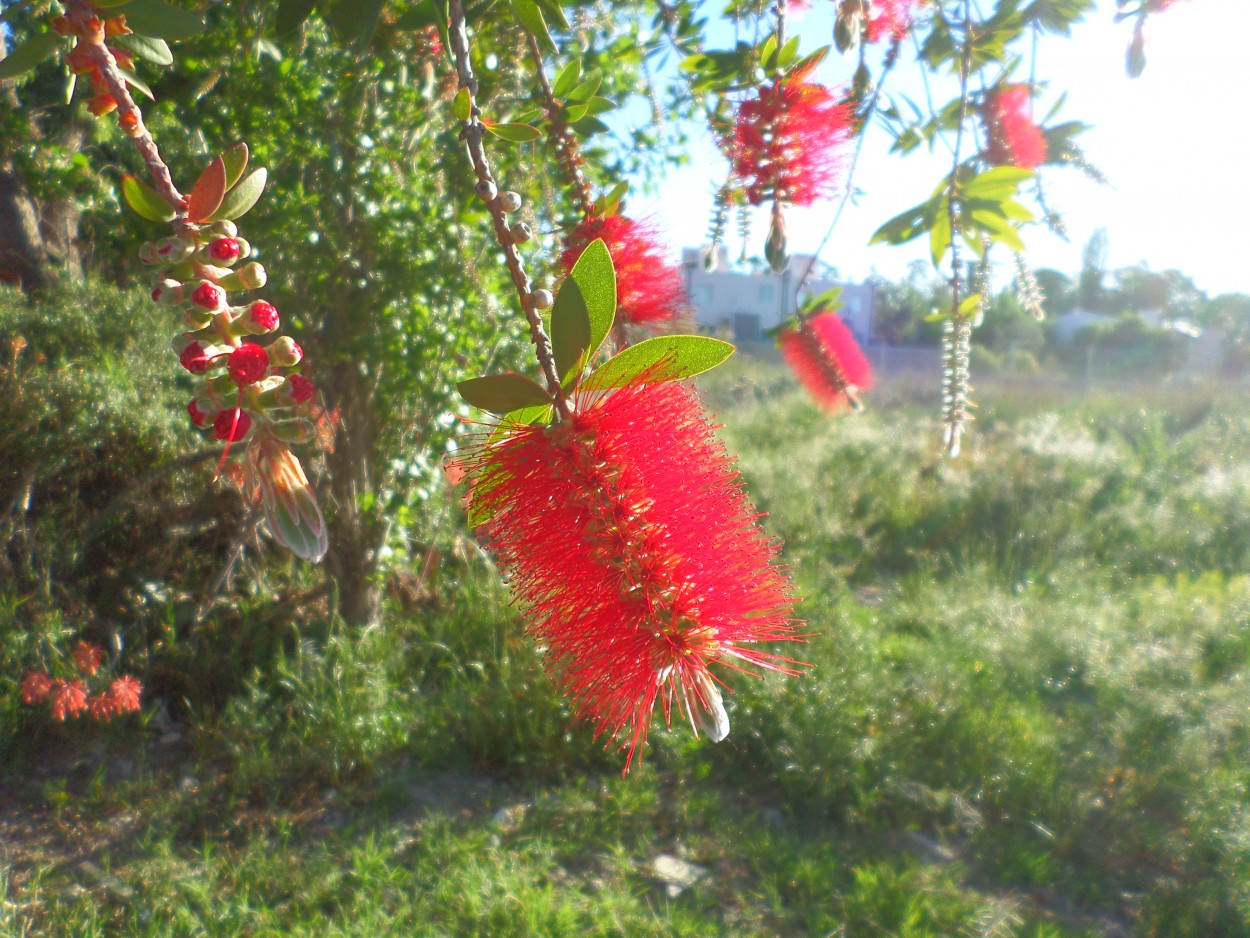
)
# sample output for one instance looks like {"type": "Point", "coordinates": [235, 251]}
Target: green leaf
{"type": "Point", "coordinates": [235, 160]}
{"type": "Point", "coordinates": [162, 21]}
{"type": "Point", "coordinates": [136, 82]}
{"type": "Point", "coordinates": [531, 18]}
{"type": "Point", "coordinates": [145, 200]}
{"type": "Point", "coordinates": [241, 198]}
{"type": "Point", "coordinates": [610, 201]}
{"type": "Point", "coordinates": [664, 358]}
{"type": "Point", "coordinates": [570, 330]}
{"type": "Point", "coordinates": [788, 53]}
{"type": "Point", "coordinates": [30, 53]}
{"type": "Point", "coordinates": [905, 226]}
{"type": "Point", "coordinates": [502, 394]}
{"type": "Point", "coordinates": [210, 188]}
{"type": "Point", "coordinates": [567, 79]}
{"type": "Point", "coordinates": [462, 104]}
{"type": "Point", "coordinates": [109, 4]}
{"type": "Point", "coordinates": [555, 13]}
{"type": "Point", "coordinates": [595, 277]}
{"type": "Point", "coordinates": [998, 182]}
{"type": "Point", "coordinates": [355, 20]}
{"type": "Point", "coordinates": [291, 16]}
{"type": "Point", "coordinates": [146, 48]}
{"type": "Point", "coordinates": [514, 133]}
{"type": "Point", "coordinates": [940, 234]}
{"type": "Point", "coordinates": [586, 90]}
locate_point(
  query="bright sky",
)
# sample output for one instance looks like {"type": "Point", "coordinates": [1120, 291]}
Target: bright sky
{"type": "Point", "coordinates": [1174, 144]}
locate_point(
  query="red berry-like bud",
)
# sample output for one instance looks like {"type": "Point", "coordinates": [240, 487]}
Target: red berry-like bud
{"type": "Point", "coordinates": [231, 425]}
{"type": "Point", "coordinates": [209, 296]}
{"type": "Point", "coordinates": [285, 352]}
{"type": "Point", "coordinates": [247, 364]}
{"type": "Point", "coordinates": [199, 416]}
{"type": "Point", "coordinates": [225, 250]}
{"type": "Point", "coordinates": [102, 104]}
{"type": "Point", "coordinates": [194, 358]}
{"type": "Point", "coordinates": [263, 316]}
{"type": "Point", "coordinates": [300, 388]}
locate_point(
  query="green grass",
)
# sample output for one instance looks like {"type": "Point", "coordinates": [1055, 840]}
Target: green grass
{"type": "Point", "coordinates": [1026, 716]}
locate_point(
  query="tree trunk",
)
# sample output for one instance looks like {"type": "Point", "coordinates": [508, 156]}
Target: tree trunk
{"type": "Point", "coordinates": [23, 252]}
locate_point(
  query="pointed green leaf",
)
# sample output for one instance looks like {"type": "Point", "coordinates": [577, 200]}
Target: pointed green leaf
{"type": "Point", "coordinates": [502, 394]}
{"type": "Point", "coordinates": [567, 79]}
{"type": "Point", "coordinates": [239, 200]}
{"type": "Point", "coordinates": [514, 133]}
{"type": "Point", "coordinates": [30, 53]}
{"type": "Point", "coordinates": [146, 48]}
{"type": "Point", "coordinates": [594, 275]}
{"type": "Point", "coordinates": [145, 200]}
{"type": "Point", "coordinates": [555, 13]}
{"type": "Point", "coordinates": [162, 21]}
{"type": "Point", "coordinates": [940, 234]}
{"type": "Point", "coordinates": [137, 83]}
{"type": "Point", "coordinates": [355, 20]}
{"type": "Point", "coordinates": [531, 18]}
{"type": "Point", "coordinates": [999, 182]}
{"type": "Point", "coordinates": [586, 90]}
{"type": "Point", "coordinates": [570, 330]}
{"type": "Point", "coordinates": [462, 104]}
{"type": "Point", "coordinates": [235, 161]}
{"type": "Point", "coordinates": [905, 226]}
{"type": "Point", "coordinates": [664, 358]}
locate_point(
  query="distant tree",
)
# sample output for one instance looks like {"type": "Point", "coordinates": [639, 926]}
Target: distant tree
{"type": "Point", "coordinates": [1058, 292]}
{"type": "Point", "coordinates": [1090, 290]}
{"type": "Point", "coordinates": [903, 308]}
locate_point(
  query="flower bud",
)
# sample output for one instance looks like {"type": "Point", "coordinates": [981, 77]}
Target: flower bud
{"type": "Point", "coordinates": [224, 250]}
{"type": "Point", "coordinates": [252, 276]}
{"type": "Point", "coordinates": [174, 250]}
{"type": "Point", "coordinates": [232, 425]}
{"type": "Point", "coordinates": [245, 247]}
{"type": "Point", "coordinates": [294, 430]}
{"type": "Point", "coordinates": [222, 229]}
{"type": "Point", "coordinates": [195, 358]}
{"type": "Point", "coordinates": [209, 296]}
{"type": "Point", "coordinates": [201, 412]}
{"type": "Point", "coordinates": [247, 364]}
{"type": "Point", "coordinates": [542, 299]}
{"type": "Point", "coordinates": [299, 389]}
{"type": "Point", "coordinates": [285, 352]}
{"type": "Point", "coordinates": [521, 233]}
{"type": "Point", "coordinates": [147, 253]}
{"type": "Point", "coordinates": [509, 201]}
{"type": "Point", "coordinates": [261, 317]}
{"type": "Point", "coordinates": [486, 190]}
{"type": "Point", "coordinates": [197, 319]}
{"type": "Point", "coordinates": [167, 291]}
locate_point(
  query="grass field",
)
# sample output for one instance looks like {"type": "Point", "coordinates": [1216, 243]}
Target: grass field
{"type": "Point", "coordinates": [1027, 716]}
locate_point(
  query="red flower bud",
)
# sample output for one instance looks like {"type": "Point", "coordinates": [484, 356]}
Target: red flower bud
{"type": "Point", "coordinates": [209, 296]}
{"type": "Point", "coordinates": [199, 416]}
{"type": "Point", "coordinates": [36, 686]}
{"type": "Point", "coordinates": [225, 250]}
{"type": "Point", "coordinates": [285, 352]}
{"type": "Point", "coordinates": [247, 364]}
{"type": "Point", "coordinates": [101, 104]}
{"type": "Point", "coordinates": [195, 359]}
{"type": "Point", "coordinates": [300, 388]}
{"type": "Point", "coordinates": [231, 425]}
{"type": "Point", "coordinates": [263, 316]}
{"type": "Point", "coordinates": [88, 658]}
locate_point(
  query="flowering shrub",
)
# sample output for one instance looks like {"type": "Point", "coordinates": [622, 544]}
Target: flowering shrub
{"type": "Point", "coordinates": [71, 697]}
{"type": "Point", "coordinates": [1014, 140]}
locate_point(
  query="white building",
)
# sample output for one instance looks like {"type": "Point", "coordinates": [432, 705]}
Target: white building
{"type": "Point", "coordinates": [747, 304]}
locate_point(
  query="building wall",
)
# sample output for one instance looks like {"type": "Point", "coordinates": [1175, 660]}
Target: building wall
{"type": "Point", "coordinates": [748, 304]}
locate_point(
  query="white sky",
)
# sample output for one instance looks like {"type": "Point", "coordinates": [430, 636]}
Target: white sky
{"type": "Point", "coordinates": [1175, 145]}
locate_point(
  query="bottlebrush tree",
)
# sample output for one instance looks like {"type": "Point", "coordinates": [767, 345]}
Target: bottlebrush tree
{"type": "Point", "coordinates": [635, 555]}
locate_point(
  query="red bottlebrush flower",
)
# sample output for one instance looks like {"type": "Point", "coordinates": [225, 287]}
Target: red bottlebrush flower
{"type": "Point", "coordinates": [788, 139]}
{"type": "Point", "coordinates": [247, 364]}
{"type": "Point", "coordinates": [827, 359]}
{"type": "Point", "coordinates": [195, 359]}
{"type": "Point", "coordinates": [263, 315]}
{"type": "Point", "coordinates": [300, 388]}
{"type": "Point", "coordinates": [209, 296]}
{"type": "Point", "coordinates": [648, 288]}
{"type": "Point", "coordinates": [100, 707]}
{"type": "Point", "coordinates": [124, 694]}
{"type": "Point", "coordinates": [889, 18]}
{"type": "Point", "coordinates": [626, 535]}
{"type": "Point", "coordinates": [69, 699]}
{"type": "Point", "coordinates": [232, 424]}
{"type": "Point", "coordinates": [88, 657]}
{"type": "Point", "coordinates": [36, 687]}
{"type": "Point", "coordinates": [225, 250]}
{"type": "Point", "coordinates": [1014, 140]}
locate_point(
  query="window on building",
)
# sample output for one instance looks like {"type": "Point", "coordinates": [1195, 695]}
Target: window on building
{"type": "Point", "coordinates": [746, 327]}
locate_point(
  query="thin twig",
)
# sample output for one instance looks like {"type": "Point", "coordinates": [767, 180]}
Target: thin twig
{"type": "Point", "coordinates": [562, 136]}
{"type": "Point", "coordinates": [128, 114]}
{"type": "Point", "coordinates": [471, 133]}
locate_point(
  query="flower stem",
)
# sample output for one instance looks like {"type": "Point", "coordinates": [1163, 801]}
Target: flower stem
{"type": "Point", "coordinates": [562, 136]}
{"type": "Point", "coordinates": [471, 133]}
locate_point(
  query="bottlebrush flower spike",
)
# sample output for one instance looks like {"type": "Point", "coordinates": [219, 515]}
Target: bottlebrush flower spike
{"type": "Point", "coordinates": [36, 688]}
{"type": "Point", "coordinates": [1014, 140]}
{"type": "Point", "coordinates": [788, 140]}
{"type": "Point", "coordinates": [649, 289]}
{"type": "Point", "coordinates": [69, 699]}
{"type": "Point", "coordinates": [889, 19]}
{"type": "Point", "coordinates": [88, 657]}
{"type": "Point", "coordinates": [627, 537]}
{"type": "Point", "coordinates": [827, 360]}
